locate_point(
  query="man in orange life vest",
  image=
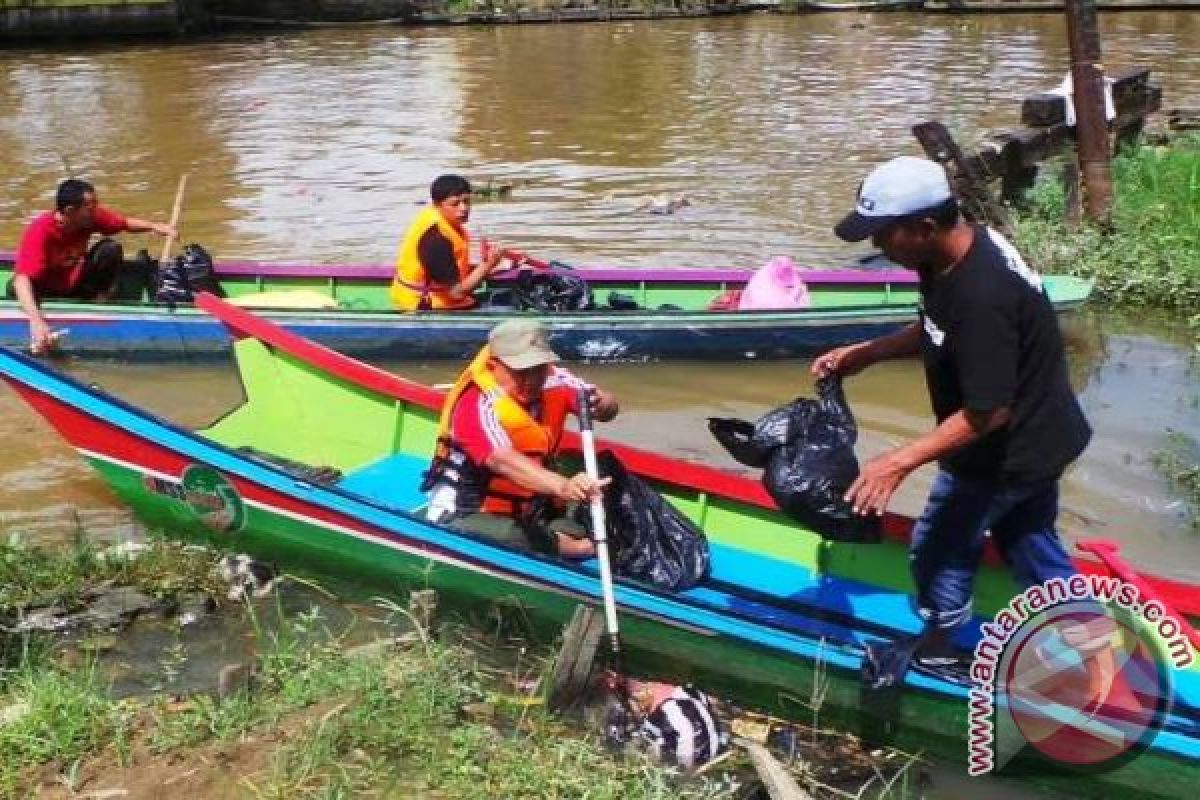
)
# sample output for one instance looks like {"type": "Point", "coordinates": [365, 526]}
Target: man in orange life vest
{"type": "Point", "coordinates": [500, 426]}
{"type": "Point", "coordinates": [433, 266]}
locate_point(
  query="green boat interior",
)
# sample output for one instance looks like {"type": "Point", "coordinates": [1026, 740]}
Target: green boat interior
{"type": "Point", "coordinates": [295, 290]}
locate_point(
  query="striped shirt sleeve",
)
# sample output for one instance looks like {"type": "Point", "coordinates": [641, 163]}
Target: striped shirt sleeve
{"type": "Point", "coordinates": [476, 426]}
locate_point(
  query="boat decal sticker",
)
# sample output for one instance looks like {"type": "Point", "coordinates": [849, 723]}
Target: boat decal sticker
{"type": "Point", "coordinates": [209, 495]}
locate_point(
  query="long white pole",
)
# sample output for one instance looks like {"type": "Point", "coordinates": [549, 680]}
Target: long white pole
{"type": "Point", "coordinates": [599, 527]}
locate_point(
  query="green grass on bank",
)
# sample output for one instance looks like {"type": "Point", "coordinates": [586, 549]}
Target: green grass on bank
{"type": "Point", "coordinates": [386, 723]}
{"type": "Point", "coordinates": [389, 721]}
{"type": "Point", "coordinates": [36, 576]}
{"type": "Point", "coordinates": [1179, 463]}
{"type": "Point", "coordinates": [1152, 256]}
{"type": "Point", "coordinates": [58, 716]}
{"type": "Point", "coordinates": [314, 714]}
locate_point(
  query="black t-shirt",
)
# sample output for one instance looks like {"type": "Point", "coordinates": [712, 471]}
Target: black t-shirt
{"type": "Point", "coordinates": [990, 339]}
{"type": "Point", "coordinates": [437, 256]}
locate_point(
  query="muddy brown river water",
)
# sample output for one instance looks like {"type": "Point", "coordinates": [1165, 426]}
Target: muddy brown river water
{"type": "Point", "coordinates": [317, 146]}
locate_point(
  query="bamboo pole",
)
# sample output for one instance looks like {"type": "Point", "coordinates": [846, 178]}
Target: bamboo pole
{"type": "Point", "coordinates": [174, 223]}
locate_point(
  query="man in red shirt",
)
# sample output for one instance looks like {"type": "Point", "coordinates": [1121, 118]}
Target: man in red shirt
{"type": "Point", "coordinates": [53, 259]}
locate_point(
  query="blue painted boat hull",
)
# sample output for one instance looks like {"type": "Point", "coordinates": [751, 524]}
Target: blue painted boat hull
{"type": "Point", "coordinates": [133, 332]}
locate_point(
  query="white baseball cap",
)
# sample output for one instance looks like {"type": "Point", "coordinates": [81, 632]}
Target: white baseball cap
{"type": "Point", "coordinates": [902, 188]}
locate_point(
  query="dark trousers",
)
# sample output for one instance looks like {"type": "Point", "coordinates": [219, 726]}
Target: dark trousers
{"type": "Point", "coordinates": [948, 541]}
{"type": "Point", "coordinates": [100, 269]}
{"type": "Point", "coordinates": [534, 535]}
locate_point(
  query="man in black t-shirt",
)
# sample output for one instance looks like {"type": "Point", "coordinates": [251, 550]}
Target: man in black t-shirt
{"type": "Point", "coordinates": [1008, 421]}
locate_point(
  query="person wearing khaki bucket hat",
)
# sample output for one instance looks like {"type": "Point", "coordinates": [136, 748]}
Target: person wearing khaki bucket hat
{"type": "Point", "coordinates": [500, 427]}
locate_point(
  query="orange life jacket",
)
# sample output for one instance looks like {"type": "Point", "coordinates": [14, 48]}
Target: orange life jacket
{"type": "Point", "coordinates": [536, 438]}
{"type": "Point", "coordinates": [412, 288]}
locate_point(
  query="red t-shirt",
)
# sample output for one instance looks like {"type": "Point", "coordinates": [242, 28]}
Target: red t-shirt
{"type": "Point", "coordinates": [53, 258]}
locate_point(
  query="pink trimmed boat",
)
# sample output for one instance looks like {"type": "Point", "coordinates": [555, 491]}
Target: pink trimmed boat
{"type": "Point", "coordinates": [672, 319]}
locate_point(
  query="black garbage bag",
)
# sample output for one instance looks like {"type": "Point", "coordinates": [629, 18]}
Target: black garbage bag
{"type": "Point", "coordinates": [806, 451]}
{"type": "Point", "coordinates": [622, 302]}
{"type": "Point", "coordinates": [190, 272]}
{"type": "Point", "coordinates": [738, 439]}
{"type": "Point", "coordinates": [551, 291]}
{"type": "Point", "coordinates": [649, 539]}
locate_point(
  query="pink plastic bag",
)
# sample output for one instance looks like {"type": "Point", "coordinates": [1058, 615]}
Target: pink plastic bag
{"type": "Point", "coordinates": [776, 285]}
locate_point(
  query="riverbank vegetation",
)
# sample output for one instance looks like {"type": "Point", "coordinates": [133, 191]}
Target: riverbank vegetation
{"type": "Point", "coordinates": [1179, 463]}
{"type": "Point", "coordinates": [320, 713]}
{"type": "Point", "coordinates": [1152, 255]}
{"type": "Point", "coordinates": [39, 577]}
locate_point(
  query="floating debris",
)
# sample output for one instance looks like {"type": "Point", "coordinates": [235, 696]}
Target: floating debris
{"type": "Point", "coordinates": [492, 191]}
{"type": "Point", "coordinates": [246, 576]}
{"type": "Point", "coordinates": [663, 203]}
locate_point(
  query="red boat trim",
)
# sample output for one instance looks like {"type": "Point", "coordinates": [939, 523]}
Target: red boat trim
{"type": "Point", "coordinates": [1108, 552]}
{"type": "Point", "coordinates": [96, 438]}
{"type": "Point", "coordinates": [243, 324]}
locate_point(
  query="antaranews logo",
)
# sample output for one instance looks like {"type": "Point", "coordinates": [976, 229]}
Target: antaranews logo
{"type": "Point", "coordinates": [1077, 669]}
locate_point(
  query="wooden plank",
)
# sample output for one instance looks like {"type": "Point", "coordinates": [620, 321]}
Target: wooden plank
{"type": "Point", "coordinates": [30, 5]}
{"type": "Point", "coordinates": [778, 782]}
{"type": "Point", "coordinates": [1073, 193]}
{"type": "Point", "coordinates": [969, 180]}
{"type": "Point", "coordinates": [576, 657]}
{"type": "Point", "coordinates": [1012, 156]}
{"type": "Point", "coordinates": [1044, 109]}
{"type": "Point", "coordinates": [1183, 119]}
{"type": "Point", "coordinates": [1027, 6]}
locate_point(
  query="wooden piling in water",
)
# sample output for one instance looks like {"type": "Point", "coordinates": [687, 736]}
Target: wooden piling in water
{"type": "Point", "coordinates": [1091, 131]}
{"type": "Point", "coordinates": [576, 658]}
{"type": "Point", "coordinates": [969, 181]}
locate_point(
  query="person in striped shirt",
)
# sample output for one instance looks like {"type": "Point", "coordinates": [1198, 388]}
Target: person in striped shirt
{"type": "Point", "coordinates": [500, 429]}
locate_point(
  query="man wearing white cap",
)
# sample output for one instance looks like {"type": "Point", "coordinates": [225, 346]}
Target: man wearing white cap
{"type": "Point", "coordinates": [500, 427]}
{"type": "Point", "coordinates": [1008, 421]}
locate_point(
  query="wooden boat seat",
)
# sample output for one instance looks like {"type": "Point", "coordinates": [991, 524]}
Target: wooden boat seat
{"type": "Point", "coordinates": [393, 481]}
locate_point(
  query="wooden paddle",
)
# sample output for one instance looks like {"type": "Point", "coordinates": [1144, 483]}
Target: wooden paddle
{"type": "Point", "coordinates": [174, 223]}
